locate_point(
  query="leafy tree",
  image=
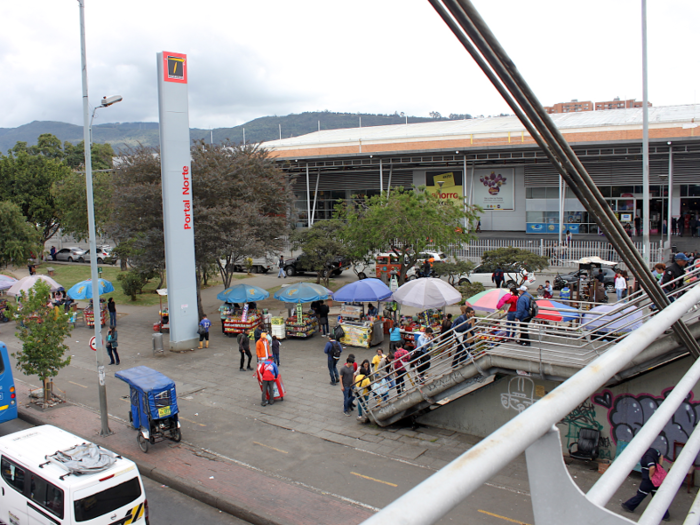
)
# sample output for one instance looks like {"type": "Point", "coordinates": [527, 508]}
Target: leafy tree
{"type": "Point", "coordinates": [42, 330]}
{"type": "Point", "coordinates": [70, 195]}
{"type": "Point", "coordinates": [241, 206]}
{"type": "Point", "coordinates": [132, 283]}
{"type": "Point", "coordinates": [452, 270]}
{"type": "Point", "coordinates": [321, 244]}
{"type": "Point", "coordinates": [18, 239]}
{"type": "Point", "coordinates": [406, 222]}
{"type": "Point", "coordinates": [102, 155]}
{"type": "Point", "coordinates": [26, 179]}
{"type": "Point", "coordinates": [47, 145]}
{"type": "Point", "coordinates": [512, 260]}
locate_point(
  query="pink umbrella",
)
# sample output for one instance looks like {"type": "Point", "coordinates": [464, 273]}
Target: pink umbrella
{"type": "Point", "coordinates": [486, 301]}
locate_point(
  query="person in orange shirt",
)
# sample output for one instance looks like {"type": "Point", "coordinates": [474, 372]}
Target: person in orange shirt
{"type": "Point", "coordinates": [262, 348]}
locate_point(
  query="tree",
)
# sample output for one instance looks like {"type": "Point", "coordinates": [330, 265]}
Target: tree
{"type": "Point", "coordinates": [26, 179]}
{"type": "Point", "coordinates": [406, 222]}
{"type": "Point", "coordinates": [102, 155]}
{"type": "Point", "coordinates": [18, 239]}
{"type": "Point", "coordinates": [435, 115]}
{"type": "Point", "coordinates": [321, 244]}
{"type": "Point", "coordinates": [452, 270]}
{"type": "Point", "coordinates": [513, 260]}
{"type": "Point", "coordinates": [42, 330]}
{"type": "Point", "coordinates": [70, 195]}
{"type": "Point", "coordinates": [241, 206]}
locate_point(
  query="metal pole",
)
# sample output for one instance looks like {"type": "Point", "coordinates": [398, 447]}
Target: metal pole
{"type": "Point", "coordinates": [670, 193]}
{"type": "Point", "coordinates": [561, 208]}
{"type": "Point", "coordinates": [101, 388]}
{"type": "Point", "coordinates": [308, 199]}
{"type": "Point", "coordinates": [391, 172]}
{"type": "Point", "coordinates": [244, 136]}
{"type": "Point", "coordinates": [645, 140]}
{"type": "Point", "coordinates": [212, 136]}
{"type": "Point", "coordinates": [313, 210]}
{"type": "Point", "coordinates": [280, 131]}
{"type": "Point", "coordinates": [464, 188]}
{"type": "Point", "coordinates": [381, 178]}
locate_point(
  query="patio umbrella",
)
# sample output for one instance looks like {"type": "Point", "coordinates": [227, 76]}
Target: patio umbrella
{"type": "Point", "coordinates": [243, 293]}
{"type": "Point", "coordinates": [487, 300]}
{"type": "Point", "coordinates": [364, 291]}
{"type": "Point", "coordinates": [303, 293]}
{"type": "Point", "coordinates": [428, 292]}
{"type": "Point", "coordinates": [555, 311]}
{"type": "Point", "coordinates": [623, 320]}
{"type": "Point", "coordinates": [83, 290]}
{"type": "Point", "coordinates": [6, 281]}
{"type": "Point", "coordinates": [24, 284]}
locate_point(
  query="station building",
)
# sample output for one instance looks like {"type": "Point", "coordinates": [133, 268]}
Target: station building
{"type": "Point", "coordinates": [494, 163]}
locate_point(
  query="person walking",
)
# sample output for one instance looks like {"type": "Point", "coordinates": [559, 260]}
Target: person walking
{"type": "Point", "coordinates": [323, 310]}
{"type": "Point", "coordinates": [269, 374]}
{"type": "Point", "coordinates": [244, 348]}
{"type": "Point", "coordinates": [466, 323]}
{"type": "Point", "coordinates": [112, 344]}
{"type": "Point", "coordinates": [362, 383]}
{"type": "Point", "coordinates": [280, 265]}
{"type": "Point", "coordinates": [203, 330]}
{"type": "Point", "coordinates": [498, 277]}
{"type": "Point", "coordinates": [651, 460]}
{"type": "Point", "coordinates": [522, 314]}
{"type": "Point", "coordinates": [276, 350]}
{"type": "Point", "coordinates": [262, 348]}
{"type": "Point", "coordinates": [347, 378]}
{"type": "Point", "coordinates": [673, 272]}
{"type": "Point", "coordinates": [620, 286]}
{"type": "Point", "coordinates": [112, 309]}
{"type": "Point", "coordinates": [400, 362]}
{"type": "Point", "coordinates": [333, 351]}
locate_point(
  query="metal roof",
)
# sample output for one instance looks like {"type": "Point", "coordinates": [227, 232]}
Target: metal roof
{"type": "Point", "coordinates": [673, 116]}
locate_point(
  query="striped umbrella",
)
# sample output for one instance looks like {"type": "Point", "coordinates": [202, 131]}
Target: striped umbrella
{"type": "Point", "coordinates": [487, 300]}
{"type": "Point", "coordinates": [554, 311]}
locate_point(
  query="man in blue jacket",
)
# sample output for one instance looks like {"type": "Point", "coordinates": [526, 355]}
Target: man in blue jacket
{"type": "Point", "coordinates": [333, 351]}
{"type": "Point", "coordinates": [522, 314]}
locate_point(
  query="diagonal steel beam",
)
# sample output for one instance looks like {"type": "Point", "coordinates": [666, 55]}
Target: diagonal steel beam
{"type": "Point", "coordinates": [473, 33]}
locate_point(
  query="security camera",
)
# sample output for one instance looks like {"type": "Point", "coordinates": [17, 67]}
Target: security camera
{"type": "Point", "coordinates": [108, 101]}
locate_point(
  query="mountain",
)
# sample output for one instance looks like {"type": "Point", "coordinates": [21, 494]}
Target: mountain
{"type": "Point", "coordinates": [124, 134]}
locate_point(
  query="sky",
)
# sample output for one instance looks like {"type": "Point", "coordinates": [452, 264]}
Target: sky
{"type": "Point", "coordinates": [249, 59]}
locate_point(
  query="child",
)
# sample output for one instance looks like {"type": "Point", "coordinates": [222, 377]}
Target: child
{"type": "Point", "coordinates": [276, 350]}
{"type": "Point", "coordinates": [547, 290]}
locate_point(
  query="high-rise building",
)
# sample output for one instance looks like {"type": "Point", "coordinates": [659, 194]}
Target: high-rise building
{"type": "Point", "coordinates": [570, 107]}
{"type": "Point", "coordinates": [616, 103]}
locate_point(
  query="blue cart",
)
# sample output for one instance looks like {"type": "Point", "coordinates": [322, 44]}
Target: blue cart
{"type": "Point", "coordinates": [153, 405]}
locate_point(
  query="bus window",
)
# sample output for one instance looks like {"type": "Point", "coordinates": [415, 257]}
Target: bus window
{"type": "Point", "coordinates": [12, 474]}
{"type": "Point", "coordinates": [47, 495]}
{"type": "Point", "coordinates": [107, 501]}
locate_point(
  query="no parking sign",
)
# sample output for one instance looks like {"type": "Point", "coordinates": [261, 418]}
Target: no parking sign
{"type": "Point", "coordinates": [93, 344]}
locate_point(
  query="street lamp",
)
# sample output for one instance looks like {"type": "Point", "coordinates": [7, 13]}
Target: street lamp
{"type": "Point", "coordinates": [87, 136]}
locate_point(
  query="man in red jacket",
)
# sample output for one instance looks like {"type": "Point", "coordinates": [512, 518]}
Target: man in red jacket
{"type": "Point", "coordinates": [269, 375]}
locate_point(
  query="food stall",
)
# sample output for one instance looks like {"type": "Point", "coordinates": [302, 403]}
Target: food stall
{"type": "Point", "coordinates": [358, 330]}
{"type": "Point", "coordinates": [302, 324]}
{"type": "Point", "coordinates": [242, 320]}
{"type": "Point", "coordinates": [89, 314]}
{"type": "Point", "coordinates": [164, 323]}
{"type": "Point", "coordinates": [278, 328]}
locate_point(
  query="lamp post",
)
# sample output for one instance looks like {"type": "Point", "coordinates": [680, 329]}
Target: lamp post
{"type": "Point", "coordinates": [87, 135]}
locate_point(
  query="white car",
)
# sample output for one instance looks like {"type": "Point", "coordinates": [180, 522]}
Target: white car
{"type": "Point", "coordinates": [480, 275]}
{"type": "Point", "coordinates": [69, 254]}
{"type": "Point", "coordinates": [103, 252]}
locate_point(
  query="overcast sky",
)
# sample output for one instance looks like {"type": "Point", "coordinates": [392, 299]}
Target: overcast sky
{"type": "Point", "coordinates": [252, 58]}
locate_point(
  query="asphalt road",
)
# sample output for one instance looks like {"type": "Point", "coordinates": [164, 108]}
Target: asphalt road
{"type": "Point", "coordinates": [166, 505]}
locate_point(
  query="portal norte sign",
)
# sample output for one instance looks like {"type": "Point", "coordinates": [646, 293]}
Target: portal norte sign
{"type": "Point", "coordinates": [178, 218]}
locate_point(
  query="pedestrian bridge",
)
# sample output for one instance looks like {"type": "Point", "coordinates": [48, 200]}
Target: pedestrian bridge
{"type": "Point", "coordinates": [557, 352]}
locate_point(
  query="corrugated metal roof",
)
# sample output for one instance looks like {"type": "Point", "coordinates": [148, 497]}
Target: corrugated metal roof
{"type": "Point", "coordinates": [610, 119]}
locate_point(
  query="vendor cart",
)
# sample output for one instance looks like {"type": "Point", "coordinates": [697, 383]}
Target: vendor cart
{"type": "Point", "coordinates": [358, 332]}
{"type": "Point", "coordinates": [89, 315]}
{"type": "Point", "coordinates": [242, 321]}
{"type": "Point", "coordinates": [164, 323]}
{"type": "Point", "coordinates": [278, 388]}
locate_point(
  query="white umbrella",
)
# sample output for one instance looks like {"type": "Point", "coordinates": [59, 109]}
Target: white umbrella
{"type": "Point", "coordinates": [24, 284]}
{"type": "Point", "coordinates": [427, 293]}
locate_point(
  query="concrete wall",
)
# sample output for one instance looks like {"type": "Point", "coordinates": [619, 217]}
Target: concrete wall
{"type": "Point", "coordinates": [618, 412]}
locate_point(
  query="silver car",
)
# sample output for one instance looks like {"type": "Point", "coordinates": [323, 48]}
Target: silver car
{"type": "Point", "coordinates": [103, 253]}
{"type": "Point", "coordinates": [69, 254]}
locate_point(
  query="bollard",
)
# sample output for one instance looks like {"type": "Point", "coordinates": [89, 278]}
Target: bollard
{"type": "Point", "coordinates": [157, 343]}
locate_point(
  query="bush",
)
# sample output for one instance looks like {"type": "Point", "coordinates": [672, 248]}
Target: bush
{"type": "Point", "coordinates": [469, 289]}
{"type": "Point", "coordinates": [132, 283]}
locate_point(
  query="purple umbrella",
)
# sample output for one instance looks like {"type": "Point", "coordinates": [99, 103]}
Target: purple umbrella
{"type": "Point", "coordinates": [364, 291]}
{"type": "Point", "coordinates": [613, 318]}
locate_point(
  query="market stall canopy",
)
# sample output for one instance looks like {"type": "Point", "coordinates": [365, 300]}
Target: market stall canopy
{"type": "Point", "coordinates": [243, 293]}
{"type": "Point", "coordinates": [303, 293]}
{"type": "Point", "coordinates": [83, 290]}
{"type": "Point", "coordinates": [613, 318]}
{"type": "Point", "coordinates": [25, 284]}
{"type": "Point", "coordinates": [595, 260]}
{"type": "Point", "coordinates": [428, 292]}
{"type": "Point", "coordinates": [487, 301]}
{"type": "Point", "coordinates": [6, 281]}
{"type": "Point", "coordinates": [553, 311]}
{"type": "Point", "coordinates": [364, 291]}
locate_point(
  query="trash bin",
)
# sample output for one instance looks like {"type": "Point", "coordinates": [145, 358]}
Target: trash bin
{"type": "Point", "coordinates": [157, 343]}
{"type": "Point", "coordinates": [51, 271]}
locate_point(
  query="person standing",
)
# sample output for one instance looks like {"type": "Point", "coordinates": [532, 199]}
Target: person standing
{"type": "Point", "coordinates": [257, 334]}
{"type": "Point", "coordinates": [673, 272]}
{"type": "Point", "coordinates": [333, 351]}
{"type": "Point", "coordinates": [620, 286]}
{"type": "Point", "coordinates": [280, 265]}
{"type": "Point", "coordinates": [650, 461]}
{"type": "Point", "coordinates": [498, 277]}
{"type": "Point", "coordinates": [276, 350]}
{"type": "Point", "coordinates": [400, 362]}
{"type": "Point", "coordinates": [467, 321]}
{"type": "Point", "coordinates": [522, 314]}
{"type": "Point", "coordinates": [204, 325]}
{"type": "Point", "coordinates": [112, 309]}
{"type": "Point", "coordinates": [395, 338]}
{"type": "Point", "coordinates": [512, 303]}
{"type": "Point", "coordinates": [112, 344]}
{"type": "Point", "coordinates": [347, 375]}
{"type": "Point", "coordinates": [244, 348]}
{"type": "Point", "coordinates": [224, 310]}
{"type": "Point", "coordinates": [269, 375]}
{"type": "Point", "coordinates": [377, 359]}
{"type": "Point", "coordinates": [674, 226]}
{"type": "Point", "coordinates": [323, 312]}
{"type": "Point", "coordinates": [362, 383]}
{"type": "Point", "coordinates": [262, 348]}
{"type": "Point", "coordinates": [52, 252]}
{"type": "Point", "coordinates": [446, 325]}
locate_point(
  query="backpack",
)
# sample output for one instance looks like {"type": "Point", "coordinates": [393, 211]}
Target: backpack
{"type": "Point", "coordinates": [498, 275]}
{"type": "Point", "coordinates": [533, 309]}
{"type": "Point", "coordinates": [336, 350]}
{"type": "Point", "coordinates": [338, 333]}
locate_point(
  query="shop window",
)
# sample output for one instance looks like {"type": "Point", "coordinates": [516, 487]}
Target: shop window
{"type": "Point", "coordinates": [552, 193]}
{"type": "Point", "coordinates": [605, 191]}
{"type": "Point", "coordinates": [693, 190]}
{"type": "Point", "coordinates": [618, 191]}
{"type": "Point", "coordinates": [535, 216]}
{"type": "Point", "coordinates": [537, 193]}
{"type": "Point", "coordinates": [684, 190]}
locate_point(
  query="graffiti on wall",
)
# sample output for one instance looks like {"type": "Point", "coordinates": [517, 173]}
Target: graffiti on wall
{"type": "Point", "coordinates": [520, 395]}
{"type": "Point", "coordinates": [627, 414]}
{"type": "Point", "coordinates": [583, 416]}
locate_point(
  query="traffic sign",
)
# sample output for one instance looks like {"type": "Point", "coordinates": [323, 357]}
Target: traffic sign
{"type": "Point", "coordinates": [93, 345]}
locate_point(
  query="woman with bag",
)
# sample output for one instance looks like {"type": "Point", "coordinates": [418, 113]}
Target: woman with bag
{"type": "Point", "coordinates": [112, 344]}
{"type": "Point", "coordinates": [652, 473]}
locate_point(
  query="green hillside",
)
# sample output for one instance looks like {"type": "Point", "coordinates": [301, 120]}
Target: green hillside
{"type": "Point", "coordinates": [261, 129]}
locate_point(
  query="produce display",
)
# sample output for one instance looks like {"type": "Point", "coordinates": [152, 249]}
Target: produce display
{"type": "Point", "coordinates": [244, 321]}
{"type": "Point", "coordinates": [304, 328]}
{"type": "Point", "coordinates": [89, 316]}
{"type": "Point", "coordinates": [428, 318]}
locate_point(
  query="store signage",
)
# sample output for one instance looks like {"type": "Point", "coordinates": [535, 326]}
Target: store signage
{"type": "Point", "coordinates": [494, 189]}
{"type": "Point", "coordinates": [448, 191]}
{"type": "Point", "coordinates": [244, 317]}
{"type": "Point", "coordinates": [174, 67]}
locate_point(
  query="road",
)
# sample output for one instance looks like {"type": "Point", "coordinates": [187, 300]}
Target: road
{"type": "Point", "coordinates": [166, 505]}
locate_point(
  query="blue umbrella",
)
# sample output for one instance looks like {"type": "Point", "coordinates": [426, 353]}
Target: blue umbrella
{"type": "Point", "coordinates": [303, 293]}
{"type": "Point", "coordinates": [364, 291]}
{"type": "Point", "coordinates": [243, 293]}
{"type": "Point", "coordinates": [83, 290]}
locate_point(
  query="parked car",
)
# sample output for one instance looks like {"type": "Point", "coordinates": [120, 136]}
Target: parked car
{"type": "Point", "coordinates": [301, 264]}
{"type": "Point", "coordinates": [103, 255]}
{"type": "Point", "coordinates": [69, 254]}
{"type": "Point", "coordinates": [561, 280]}
{"type": "Point", "coordinates": [480, 275]}
{"type": "Point", "coordinates": [256, 265]}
